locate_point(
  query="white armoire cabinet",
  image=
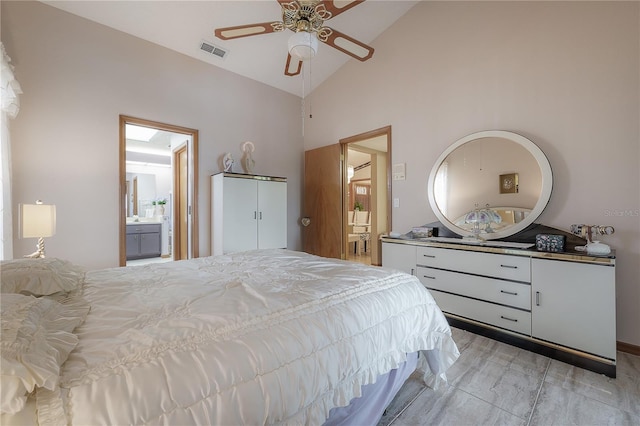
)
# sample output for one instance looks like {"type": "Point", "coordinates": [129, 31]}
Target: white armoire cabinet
{"type": "Point", "coordinates": [247, 212]}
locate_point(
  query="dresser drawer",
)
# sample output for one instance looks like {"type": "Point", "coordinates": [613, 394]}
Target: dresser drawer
{"type": "Point", "coordinates": [516, 268]}
{"type": "Point", "coordinates": [496, 315]}
{"type": "Point", "coordinates": [504, 292]}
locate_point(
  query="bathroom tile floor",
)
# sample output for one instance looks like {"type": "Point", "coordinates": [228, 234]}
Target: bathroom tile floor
{"type": "Point", "coordinates": [496, 383]}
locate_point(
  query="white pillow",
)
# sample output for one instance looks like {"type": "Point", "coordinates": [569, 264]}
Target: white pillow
{"type": "Point", "coordinates": [40, 277]}
{"type": "Point", "coordinates": [36, 338]}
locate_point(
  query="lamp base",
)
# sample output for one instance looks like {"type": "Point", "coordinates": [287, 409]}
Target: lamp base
{"type": "Point", "coordinates": [39, 253]}
{"type": "Point", "coordinates": [473, 239]}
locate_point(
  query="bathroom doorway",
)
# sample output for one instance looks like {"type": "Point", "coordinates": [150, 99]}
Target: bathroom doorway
{"type": "Point", "coordinates": [158, 169]}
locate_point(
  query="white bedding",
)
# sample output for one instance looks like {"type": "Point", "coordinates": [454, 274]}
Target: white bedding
{"type": "Point", "coordinates": [259, 337]}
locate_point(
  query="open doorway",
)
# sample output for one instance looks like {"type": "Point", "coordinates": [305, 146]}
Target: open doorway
{"type": "Point", "coordinates": [366, 194]}
{"type": "Point", "coordinates": [158, 166]}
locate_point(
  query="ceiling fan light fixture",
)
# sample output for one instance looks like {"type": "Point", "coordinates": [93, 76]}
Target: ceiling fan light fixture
{"type": "Point", "coordinates": [303, 45]}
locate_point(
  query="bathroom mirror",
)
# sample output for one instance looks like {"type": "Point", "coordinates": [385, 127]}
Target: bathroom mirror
{"type": "Point", "coordinates": [490, 185]}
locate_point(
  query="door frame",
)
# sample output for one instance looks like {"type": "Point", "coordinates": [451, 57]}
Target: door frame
{"type": "Point", "coordinates": [193, 178]}
{"type": "Point", "coordinates": [176, 228]}
{"type": "Point", "coordinates": [344, 145]}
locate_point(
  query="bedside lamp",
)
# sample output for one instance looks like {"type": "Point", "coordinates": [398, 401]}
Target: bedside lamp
{"type": "Point", "coordinates": [37, 221]}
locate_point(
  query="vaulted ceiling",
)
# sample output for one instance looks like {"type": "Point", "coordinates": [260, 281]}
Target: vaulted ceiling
{"type": "Point", "coordinates": [184, 25]}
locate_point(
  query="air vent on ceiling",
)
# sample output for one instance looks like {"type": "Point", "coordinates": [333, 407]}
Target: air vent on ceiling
{"type": "Point", "coordinates": [213, 49]}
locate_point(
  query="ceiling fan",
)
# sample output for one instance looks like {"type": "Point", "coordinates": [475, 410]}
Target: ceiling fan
{"type": "Point", "coordinates": [306, 19]}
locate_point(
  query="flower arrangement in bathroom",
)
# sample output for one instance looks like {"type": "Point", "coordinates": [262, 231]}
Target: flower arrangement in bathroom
{"type": "Point", "coordinates": [159, 203]}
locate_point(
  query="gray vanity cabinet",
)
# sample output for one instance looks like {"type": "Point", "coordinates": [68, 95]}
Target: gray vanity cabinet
{"type": "Point", "coordinates": [143, 240]}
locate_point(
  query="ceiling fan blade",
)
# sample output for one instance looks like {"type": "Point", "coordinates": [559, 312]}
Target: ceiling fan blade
{"type": "Point", "coordinates": [345, 44]}
{"type": "Point", "coordinates": [286, 2]}
{"type": "Point", "coordinates": [336, 7]}
{"type": "Point", "coordinates": [229, 33]}
{"type": "Point", "coordinates": [293, 66]}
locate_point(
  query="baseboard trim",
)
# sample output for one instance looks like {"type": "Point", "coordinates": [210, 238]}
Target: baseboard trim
{"type": "Point", "coordinates": [628, 348]}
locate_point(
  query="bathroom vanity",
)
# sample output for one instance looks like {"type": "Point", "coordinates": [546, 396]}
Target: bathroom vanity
{"type": "Point", "coordinates": [143, 240]}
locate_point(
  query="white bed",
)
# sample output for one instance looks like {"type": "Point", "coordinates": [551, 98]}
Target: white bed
{"type": "Point", "coordinates": [261, 337]}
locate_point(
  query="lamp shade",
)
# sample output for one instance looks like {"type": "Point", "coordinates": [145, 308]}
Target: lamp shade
{"type": "Point", "coordinates": [303, 45]}
{"type": "Point", "coordinates": [37, 220]}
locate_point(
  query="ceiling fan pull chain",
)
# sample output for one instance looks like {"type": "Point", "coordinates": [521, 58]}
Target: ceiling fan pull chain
{"type": "Point", "coordinates": [303, 112]}
{"type": "Point", "coordinates": [310, 85]}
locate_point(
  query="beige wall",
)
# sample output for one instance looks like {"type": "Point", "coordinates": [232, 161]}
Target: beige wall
{"type": "Point", "coordinates": [78, 76]}
{"type": "Point", "coordinates": [564, 74]}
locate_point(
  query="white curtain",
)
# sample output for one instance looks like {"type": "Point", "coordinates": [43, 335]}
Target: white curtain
{"type": "Point", "coordinates": [10, 107]}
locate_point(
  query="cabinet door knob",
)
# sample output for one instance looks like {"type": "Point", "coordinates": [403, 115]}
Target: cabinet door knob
{"type": "Point", "coordinates": [306, 221]}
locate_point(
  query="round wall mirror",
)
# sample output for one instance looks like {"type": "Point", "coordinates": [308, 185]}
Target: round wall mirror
{"type": "Point", "coordinates": [490, 185]}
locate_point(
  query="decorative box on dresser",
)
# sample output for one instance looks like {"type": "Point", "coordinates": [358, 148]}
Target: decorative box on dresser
{"type": "Point", "coordinates": [247, 212]}
{"type": "Point", "coordinates": [559, 304]}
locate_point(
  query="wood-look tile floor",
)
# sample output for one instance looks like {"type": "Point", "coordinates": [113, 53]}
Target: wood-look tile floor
{"type": "Point", "coordinates": [364, 257]}
{"type": "Point", "coordinates": [495, 383]}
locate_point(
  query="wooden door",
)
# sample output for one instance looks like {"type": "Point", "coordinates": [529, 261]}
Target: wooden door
{"type": "Point", "coordinates": [323, 202]}
{"type": "Point", "coordinates": [181, 202]}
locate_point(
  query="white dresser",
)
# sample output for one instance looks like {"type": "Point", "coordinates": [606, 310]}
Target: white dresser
{"type": "Point", "coordinates": [558, 304]}
{"type": "Point", "coordinates": [247, 212]}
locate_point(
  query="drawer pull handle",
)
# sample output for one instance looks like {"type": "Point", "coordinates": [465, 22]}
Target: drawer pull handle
{"type": "Point", "coordinates": [509, 266]}
{"type": "Point", "coordinates": [508, 319]}
{"type": "Point", "coordinates": [427, 276]}
{"type": "Point", "coordinates": [513, 293]}
{"type": "Point", "coordinates": [429, 255]}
